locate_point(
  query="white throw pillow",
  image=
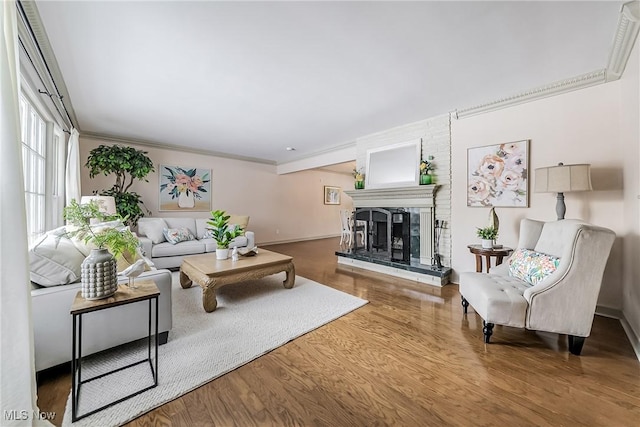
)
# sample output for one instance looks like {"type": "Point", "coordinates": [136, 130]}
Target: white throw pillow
{"type": "Point", "coordinates": [54, 259]}
{"type": "Point", "coordinates": [152, 228]}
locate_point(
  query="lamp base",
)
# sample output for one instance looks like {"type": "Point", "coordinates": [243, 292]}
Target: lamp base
{"type": "Point", "coordinates": [561, 208]}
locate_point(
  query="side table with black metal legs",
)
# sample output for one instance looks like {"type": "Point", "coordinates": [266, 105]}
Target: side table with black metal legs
{"type": "Point", "coordinates": [145, 290]}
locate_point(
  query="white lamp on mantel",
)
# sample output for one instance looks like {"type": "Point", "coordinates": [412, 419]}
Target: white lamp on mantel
{"type": "Point", "coordinates": [563, 179]}
{"type": "Point", "coordinates": [107, 204]}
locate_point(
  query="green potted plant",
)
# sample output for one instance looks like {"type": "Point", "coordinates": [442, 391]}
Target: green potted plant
{"type": "Point", "coordinates": [127, 164]}
{"type": "Point", "coordinates": [426, 166]}
{"type": "Point", "coordinates": [99, 269]}
{"type": "Point", "coordinates": [359, 178]}
{"type": "Point", "coordinates": [222, 232]}
{"type": "Point", "coordinates": [488, 235]}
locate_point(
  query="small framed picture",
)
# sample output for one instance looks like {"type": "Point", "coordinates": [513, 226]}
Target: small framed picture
{"type": "Point", "coordinates": [331, 195]}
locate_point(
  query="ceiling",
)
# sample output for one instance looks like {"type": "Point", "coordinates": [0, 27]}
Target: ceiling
{"type": "Point", "coordinates": [249, 79]}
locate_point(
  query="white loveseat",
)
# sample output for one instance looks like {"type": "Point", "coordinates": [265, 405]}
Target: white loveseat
{"type": "Point", "coordinates": [550, 283]}
{"type": "Point", "coordinates": [55, 274]}
{"type": "Point", "coordinates": [168, 255]}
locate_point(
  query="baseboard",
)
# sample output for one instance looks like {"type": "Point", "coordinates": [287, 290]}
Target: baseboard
{"type": "Point", "coordinates": [634, 339]}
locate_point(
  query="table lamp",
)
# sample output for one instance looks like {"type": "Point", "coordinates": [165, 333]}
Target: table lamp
{"type": "Point", "coordinates": [563, 179]}
{"type": "Point", "coordinates": [107, 204]}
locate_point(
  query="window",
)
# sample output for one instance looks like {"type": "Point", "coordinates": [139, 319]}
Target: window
{"type": "Point", "coordinates": [42, 143]}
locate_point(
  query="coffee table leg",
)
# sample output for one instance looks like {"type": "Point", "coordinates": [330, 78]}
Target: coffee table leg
{"type": "Point", "coordinates": [290, 280]}
{"type": "Point", "coordinates": [209, 301]}
{"type": "Point", "coordinates": [185, 281]}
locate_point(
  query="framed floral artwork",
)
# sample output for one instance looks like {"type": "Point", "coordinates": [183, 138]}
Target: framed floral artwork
{"type": "Point", "coordinates": [331, 195]}
{"type": "Point", "coordinates": [498, 175]}
{"type": "Point", "coordinates": [184, 188]}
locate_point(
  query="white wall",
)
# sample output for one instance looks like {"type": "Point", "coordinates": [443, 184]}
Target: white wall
{"type": "Point", "coordinates": [578, 127]}
{"type": "Point", "coordinates": [630, 128]}
{"type": "Point", "coordinates": [282, 207]}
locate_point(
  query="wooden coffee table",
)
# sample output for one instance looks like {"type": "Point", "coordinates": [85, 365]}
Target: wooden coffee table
{"type": "Point", "coordinates": [211, 273]}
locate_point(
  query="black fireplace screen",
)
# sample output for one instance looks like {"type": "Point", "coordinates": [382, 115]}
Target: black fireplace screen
{"type": "Point", "coordinates": [387, 231]}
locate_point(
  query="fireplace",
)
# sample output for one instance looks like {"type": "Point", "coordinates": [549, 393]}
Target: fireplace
{"type": "Point", "coordinates": [399, 227]}
{"type": "Point", "coordinates": [388, 233]}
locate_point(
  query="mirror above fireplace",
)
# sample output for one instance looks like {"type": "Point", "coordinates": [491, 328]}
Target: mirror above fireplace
{"type": "Point", "coordinates": [394, 165]}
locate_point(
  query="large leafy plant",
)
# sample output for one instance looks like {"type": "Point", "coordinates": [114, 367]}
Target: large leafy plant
{"type": "Point", "coordinates": [128, 164]}
{"type": "Point", "coordinates": [117, 239]}
{"type": "Point", "coordinates": [222, 232]}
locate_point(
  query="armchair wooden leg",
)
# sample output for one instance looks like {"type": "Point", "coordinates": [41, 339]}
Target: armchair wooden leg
{"type": "Point", "coordinates": [487, 330]}
{"type": "Point", "coordinates": [575, 344]}
{"type": "Point", "coordinates": [465, 304]}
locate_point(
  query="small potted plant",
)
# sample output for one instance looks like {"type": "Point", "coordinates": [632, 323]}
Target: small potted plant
{"type": "Point", "coordinates": [488, 235]}
{"type": "Point", "coordinates": [426, 167]}
{"type": "Point", "coordinates": [99, 269]}
{"type": "Point", "coordinates": [222, 232]}
{"type": "Point", "coordinates": [359, 178]}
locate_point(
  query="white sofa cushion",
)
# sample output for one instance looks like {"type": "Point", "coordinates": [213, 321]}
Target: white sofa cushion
{"type": "Point", "coordinates": [152, 228]}
{"type": "Point", "coordinates": [497, 299]}
{"type": "Point", "coordinates": [55, 260]}
{"type": "Point", "coordinates": [189, 247]}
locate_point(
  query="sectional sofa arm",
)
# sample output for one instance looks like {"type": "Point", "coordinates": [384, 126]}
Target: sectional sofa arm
{"type": "Point", "coordinates": [146, 245]}
{"type": "Point", "coordinates": [251, 239]}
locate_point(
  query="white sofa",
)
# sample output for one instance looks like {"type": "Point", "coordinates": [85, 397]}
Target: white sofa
{"type": "Point", "coordinates": [52, 321]}
{"type": "Point", "coordinates": [168, 255]}
{"type": "Point", "coordinates": [55, 268]}
{"type": "Point", "coordinates": [550, 283]}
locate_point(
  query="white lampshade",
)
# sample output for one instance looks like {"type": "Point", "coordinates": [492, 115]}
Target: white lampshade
{"type": "Point", "coordinates": [563, 178]}
{"type": "Point", "coordinates": [107, 203]}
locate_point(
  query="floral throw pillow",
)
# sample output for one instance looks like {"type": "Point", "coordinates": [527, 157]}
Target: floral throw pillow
{"type": "Point", "coordinates": [177, 235]}
{"type": "Point", "coordinates": [532, 266]}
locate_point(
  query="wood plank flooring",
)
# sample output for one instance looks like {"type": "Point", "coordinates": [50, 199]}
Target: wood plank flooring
{"type": "Point", "coordinates": [410, 358]}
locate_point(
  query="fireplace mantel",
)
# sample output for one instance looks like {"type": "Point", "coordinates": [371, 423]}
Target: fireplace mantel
{"type": "Point", "coordinates": [420, 196]}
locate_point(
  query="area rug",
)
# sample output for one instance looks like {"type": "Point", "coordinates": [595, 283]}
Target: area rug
{"type": "Point", "coordinates": [252, 318]}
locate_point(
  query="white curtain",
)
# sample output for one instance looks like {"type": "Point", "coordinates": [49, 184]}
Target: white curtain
{"type": "Point", "coordinates": [72, 172]}
{"type": "Point", "coordinates": [17, 368]}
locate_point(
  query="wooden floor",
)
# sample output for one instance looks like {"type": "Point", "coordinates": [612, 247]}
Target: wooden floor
{"type": "Point", "coordinates": [409, 358]}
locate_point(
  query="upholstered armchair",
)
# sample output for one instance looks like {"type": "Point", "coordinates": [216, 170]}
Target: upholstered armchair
{"type": "Point", "coordinates": [550, 283]}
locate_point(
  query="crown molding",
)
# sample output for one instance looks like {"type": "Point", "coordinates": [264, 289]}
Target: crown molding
{"type": "Point", "coordinates": [34, 40]}
{"type": "Point", "coordinates": [579, 82]}
{"type": "Point", "coordinates": [120, 140]}
{"type": "Point", "coordinates": [626, 35]}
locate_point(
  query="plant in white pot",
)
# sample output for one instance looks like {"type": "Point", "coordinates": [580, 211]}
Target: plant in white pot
{"type": "Point", "coordinates": [99, 269]}
{"type": "Point", "coordinates": [488, 235]}
{"type": "Point", "coordinates": [222, 232]}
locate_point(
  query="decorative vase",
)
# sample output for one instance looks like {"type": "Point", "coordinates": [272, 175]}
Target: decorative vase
{"type": "Point", "coordinates": [487, 244]}
{"type": "Point", "coordinates": [359, 185]}
{"type": "Point", "coordinates": [493, 219]}
{"type": "Point", "coordinates": [186, 200]}
{"type": "Point", "coordinates": [425, 179]}
{"type": "Point", "coordinates": [222, 253]}
{"type": "Point", "coordinates": [99, 275]}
